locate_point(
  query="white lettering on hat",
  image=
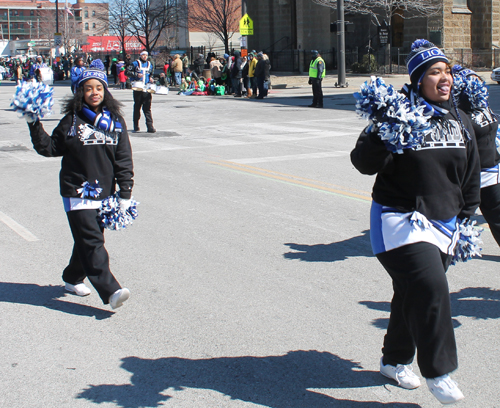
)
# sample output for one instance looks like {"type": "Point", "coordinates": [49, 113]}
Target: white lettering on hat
{"type": "Point", "coordinates": [431, 52]}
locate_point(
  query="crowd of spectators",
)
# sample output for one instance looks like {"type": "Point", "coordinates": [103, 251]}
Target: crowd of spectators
{"type": "Point", "coordinates": [247, 76]}
{"type": "Point", "coordinates": [237, 75]}
{"type": "Point", "coordinates": [24, 68]}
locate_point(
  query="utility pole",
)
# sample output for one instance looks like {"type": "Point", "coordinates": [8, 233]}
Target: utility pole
{"type": "Point", "coordinates": [341, 45]}
{"type": "Point", "coordinates": [243, 12]}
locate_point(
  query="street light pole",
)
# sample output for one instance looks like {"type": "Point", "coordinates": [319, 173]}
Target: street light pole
{"type": "Point", "coordinates": [341, 45]}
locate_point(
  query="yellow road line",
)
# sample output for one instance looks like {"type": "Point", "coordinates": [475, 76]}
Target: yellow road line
{"type": "Point", "coordinates": [312, 184]}
{"type": "Point", "coordinates": [289, 176]}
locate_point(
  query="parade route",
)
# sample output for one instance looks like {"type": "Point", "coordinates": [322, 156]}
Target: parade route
{"type": "Point", "coordinates": [252, 278]}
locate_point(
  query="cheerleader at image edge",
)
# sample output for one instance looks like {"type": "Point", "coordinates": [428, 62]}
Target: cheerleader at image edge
{"type": "Point", "coordinates": [416, 196]}
{"type": "Point", "coordinates": [100, 166]}
{"type": "Point", "coordinates": [475, 104]}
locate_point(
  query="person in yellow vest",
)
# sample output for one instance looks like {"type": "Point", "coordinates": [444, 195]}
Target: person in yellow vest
{"type": "Point", "coordinates": [251, 76]}
{"type": "Point", "coordinates": [317, 72]}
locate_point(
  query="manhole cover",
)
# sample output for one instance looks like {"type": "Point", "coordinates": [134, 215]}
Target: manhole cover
{"type": "Point", "coordinates": [13, 148]}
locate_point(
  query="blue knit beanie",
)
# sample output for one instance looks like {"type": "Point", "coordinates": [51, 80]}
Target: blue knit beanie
{"type": "Point", "coordinates": [97, 71]}
{"type": "Point", "coordinates": [422, 56]}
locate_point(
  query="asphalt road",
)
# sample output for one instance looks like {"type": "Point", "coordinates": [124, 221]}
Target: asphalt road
{"type": "Point", "coordinates": [250, 268]}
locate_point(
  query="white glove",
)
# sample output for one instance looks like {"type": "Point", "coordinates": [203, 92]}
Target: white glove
{"type": "Point", "coordinates": [30, 118]}
{"type": "Point", "coordinates": [124, 204]}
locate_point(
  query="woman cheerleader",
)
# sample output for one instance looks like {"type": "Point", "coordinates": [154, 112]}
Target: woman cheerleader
{"type": "Point", "coordinates": [425, 186]}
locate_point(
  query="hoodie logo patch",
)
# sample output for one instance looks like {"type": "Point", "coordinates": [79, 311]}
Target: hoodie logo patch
{"type": "Point", "coordinates": [483, 117]}
{"type": "Point", "coordinates": [89, 135]}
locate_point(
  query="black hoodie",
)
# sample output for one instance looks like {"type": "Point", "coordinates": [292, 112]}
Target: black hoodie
{"type": "Point", "coordinates": [440, 180]}
{"type": "Point", "coordinates": [88, 156]}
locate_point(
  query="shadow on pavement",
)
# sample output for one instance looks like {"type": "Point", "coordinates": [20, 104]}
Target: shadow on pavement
{"type": "Point", "coordinates": [336, 251]}
{"type": "Point", "coordinates": [479, 303]}
{"type": "Point", "coordinates": [274, 381]}
{"type": "Point", "coordinates": [47, 296]}
{"type": "Point", "coordinates": [337, 102]}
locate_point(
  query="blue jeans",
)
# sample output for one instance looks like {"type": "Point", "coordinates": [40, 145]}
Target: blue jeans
{"type": "Point", "coordinates": [177, 76]}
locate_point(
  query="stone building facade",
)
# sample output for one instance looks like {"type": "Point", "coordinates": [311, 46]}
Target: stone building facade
{"type": "Point", "coordinates": [467, 30]}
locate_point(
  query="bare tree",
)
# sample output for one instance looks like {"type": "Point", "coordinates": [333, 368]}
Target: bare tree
{"type": "Point", "coordinates": [219, 17]}
{"type": "Point", "coordinates": [386, 9]}
{"type": "Point", "coordinates": [150, 18]}
{"type": "Point", "coordinates": [210, 41]}
{"type": "Point", "coordinates": [118, 18]}
{"type": "Point", "coordinates": [382, 11]}
{"type": "Point", "coordinates": [69, 27]}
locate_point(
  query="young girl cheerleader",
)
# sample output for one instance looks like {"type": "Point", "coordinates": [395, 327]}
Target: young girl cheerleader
{"type": "Point", "coordinates": [96, 156]}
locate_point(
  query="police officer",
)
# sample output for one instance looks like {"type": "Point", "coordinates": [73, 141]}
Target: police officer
{"type": "Point", "coordinates": [316, 74]}
{"type": "Point", "coordinates": [142, 70]}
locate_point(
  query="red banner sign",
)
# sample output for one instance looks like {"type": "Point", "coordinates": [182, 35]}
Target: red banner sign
{"type": "Point", "coordinates": [111, 43]}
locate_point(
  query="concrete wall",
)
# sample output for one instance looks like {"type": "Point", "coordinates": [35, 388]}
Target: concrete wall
{"type": "Point", "coordinates": [296, 24]}
{"type": "Point", "coordinates": [481, 24]}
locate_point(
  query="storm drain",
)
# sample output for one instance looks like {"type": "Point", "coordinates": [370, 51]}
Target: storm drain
{"type": "Point", "coordinates": [159, 133]}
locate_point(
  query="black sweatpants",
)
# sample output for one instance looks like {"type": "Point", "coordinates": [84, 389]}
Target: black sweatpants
{"type": "Point", "coordinates": [142, 100]}
{"type": "Point", "coordinates": [89, 259]}
{"type": "Point", "coordinates": [420, 310]}
{"type": "Point", "coordinates": [317, 92]}
{"type": "Point", "coordinates": [490, 207]}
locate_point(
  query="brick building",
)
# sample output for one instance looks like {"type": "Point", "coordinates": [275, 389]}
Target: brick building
{"type": "Point", "coordinates": [31, 24]}
{"type": "Point", "coordinates": [467, 30]}
{"type": "Point", "coordinates": [94, 17]}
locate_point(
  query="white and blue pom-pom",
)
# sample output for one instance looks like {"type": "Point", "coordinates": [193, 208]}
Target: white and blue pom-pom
{"type": "Point", "coordinates": [469, 242]}
{"type": "Point", "coordinates": [467, 83]}
{"type": "Point", "coordinates": [400, 124]}
{"type": "Point", "coordinates": [114, 218]}
{"type": "Point", "coordinates": [89, 190]}
{"type": "Point", "coordinates": [33, 100]}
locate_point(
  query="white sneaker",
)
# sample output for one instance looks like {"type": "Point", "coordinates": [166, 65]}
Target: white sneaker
{"type": "Point", "coordinates": [81, 289]}
{"type": "Point", "coordinates": [445, 389]}
{"type": "Point", "coordinates": [117, 298]}
{"type": "Point", "coordinates": [402, 374]}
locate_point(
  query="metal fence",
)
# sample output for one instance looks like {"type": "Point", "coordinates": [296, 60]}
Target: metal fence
{"type": "Point", "coordinates": [357, 60]}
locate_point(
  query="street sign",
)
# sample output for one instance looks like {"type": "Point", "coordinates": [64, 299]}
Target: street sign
{"type": "Point", "coordinates": [246, 25]}
{"type": "Point", "coordinates": [58, 39]}
{"type": "Point", "coordinates": [383, 35]}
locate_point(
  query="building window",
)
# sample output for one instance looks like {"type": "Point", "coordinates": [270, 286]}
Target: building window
{"type": "Point", "coordinates": [93, 25]}
{"type": "Point", "coordinates": [93, 13]}
{"type": "Point", "coordinates": [460, 7]}
{"type": "Point", "coordinates": [86, 14]}
{"type": "Point", "coordinates": [32, 12]}
{"type": "Point", "coordinates": [86, 26]}
{"type": "Point", "coordinates": [15, 12]}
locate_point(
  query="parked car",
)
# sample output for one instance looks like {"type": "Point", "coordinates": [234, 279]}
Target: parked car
{"type": "Point", "coordinates": [495, 75]}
